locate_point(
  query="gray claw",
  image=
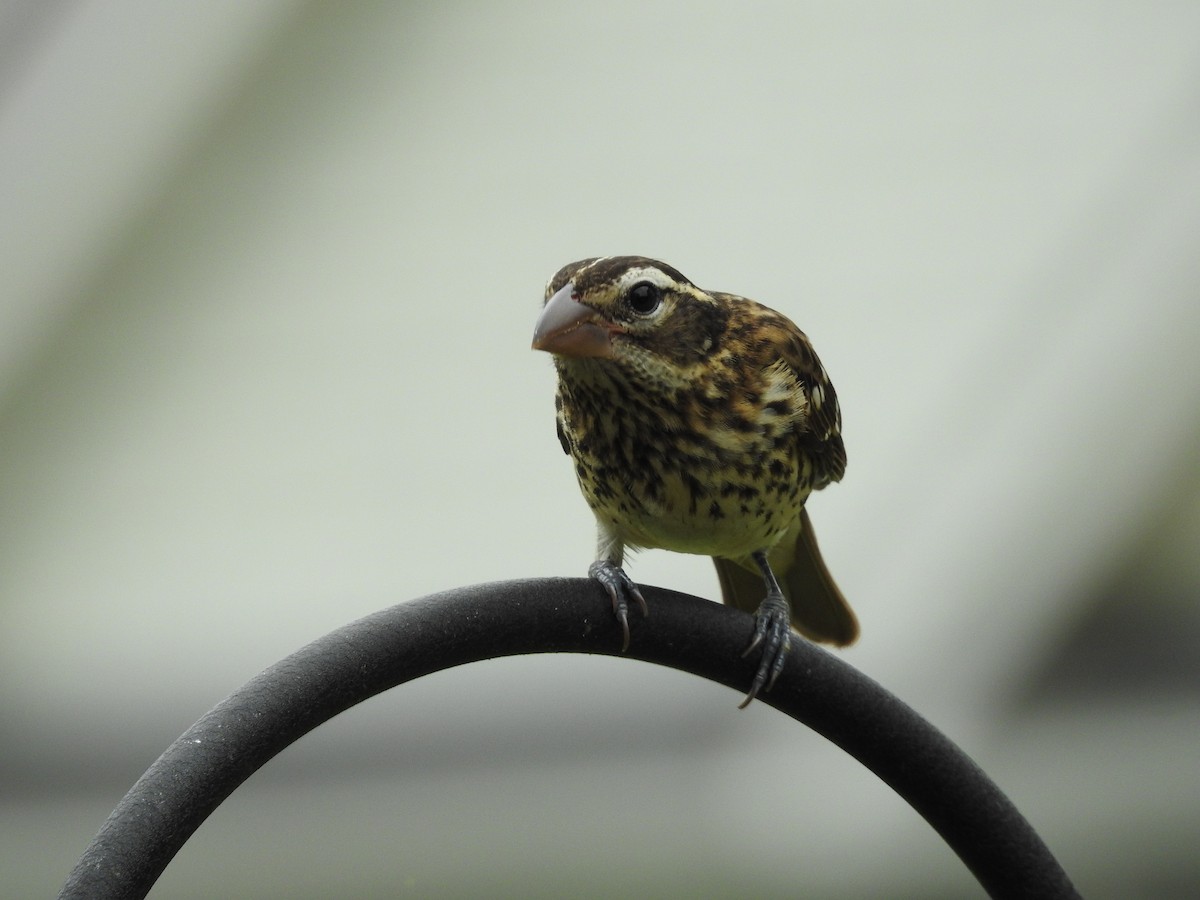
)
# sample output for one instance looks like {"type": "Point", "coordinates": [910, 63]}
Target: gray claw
{"type": "Point", "coordinates": [620, 588]}
{"type": "Point", "coordinates": [773, 632]}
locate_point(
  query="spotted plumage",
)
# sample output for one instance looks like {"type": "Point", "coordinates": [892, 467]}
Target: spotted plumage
{"type": "Point", "coordinates": [698, 422]}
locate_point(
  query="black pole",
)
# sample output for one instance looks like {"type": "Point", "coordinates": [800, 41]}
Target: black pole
{"type": "Point", "coordinates": [349, 665]}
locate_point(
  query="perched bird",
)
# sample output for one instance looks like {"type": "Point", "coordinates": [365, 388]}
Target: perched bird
{"type": "Point", "coordinates": [698, 422]}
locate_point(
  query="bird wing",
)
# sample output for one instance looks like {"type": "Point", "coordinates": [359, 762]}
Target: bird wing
{"type": "Point", "coordinates": [562, 435]}
{"type": "Point", "coordinates": [820, 434]}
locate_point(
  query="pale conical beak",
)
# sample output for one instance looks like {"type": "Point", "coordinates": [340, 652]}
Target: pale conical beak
{"type": "Point", "coordinates": [568, 328]}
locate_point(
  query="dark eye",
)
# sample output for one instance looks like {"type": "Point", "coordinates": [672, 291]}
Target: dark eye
{"type": "Point", "coordinates": [644, 298]}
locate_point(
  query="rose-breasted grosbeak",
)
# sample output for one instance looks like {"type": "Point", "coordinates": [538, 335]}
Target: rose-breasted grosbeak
{"type": "Point", "coordinates": [698, 422]}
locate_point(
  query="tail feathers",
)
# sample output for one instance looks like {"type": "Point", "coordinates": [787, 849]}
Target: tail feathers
{"type": "Point", "coordinates": [819, 611]}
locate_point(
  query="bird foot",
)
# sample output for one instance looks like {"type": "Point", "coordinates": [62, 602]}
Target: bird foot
{"type": "Point", "coordinates": [773, 633]}
{"type": "Point", "coordinates": [621, 588]}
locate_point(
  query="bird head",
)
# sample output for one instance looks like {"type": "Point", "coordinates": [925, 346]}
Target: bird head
{"type": "Point", "coordinates": [630, 310]}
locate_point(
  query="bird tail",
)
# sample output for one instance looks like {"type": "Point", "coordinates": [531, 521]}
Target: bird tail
{"type": "Point", "coordinates": [819, 611]}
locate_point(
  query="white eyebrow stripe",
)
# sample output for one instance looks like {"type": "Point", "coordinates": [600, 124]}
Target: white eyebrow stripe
{"type": "Point", "coordinates": [654, 275]}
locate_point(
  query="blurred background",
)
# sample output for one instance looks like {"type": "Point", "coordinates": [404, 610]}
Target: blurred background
{"type": "Point", "coordinates": [270, 274]}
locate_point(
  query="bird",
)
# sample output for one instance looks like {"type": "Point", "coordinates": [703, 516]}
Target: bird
{"type": "Point", "coordinates": [698, 422]}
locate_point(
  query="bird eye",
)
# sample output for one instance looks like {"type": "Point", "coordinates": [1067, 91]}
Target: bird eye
{"type": "Point", "coordinates": [644, 298]}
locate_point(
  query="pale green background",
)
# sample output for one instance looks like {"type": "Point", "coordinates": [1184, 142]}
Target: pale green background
{"type": "Point", "coordinates": [270, 273]}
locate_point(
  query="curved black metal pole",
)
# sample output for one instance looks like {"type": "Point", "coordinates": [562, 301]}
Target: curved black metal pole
{"type": "Point", "coordinates": [205, 764]}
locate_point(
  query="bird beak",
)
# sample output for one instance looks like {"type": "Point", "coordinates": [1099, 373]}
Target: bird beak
{"type": "Point", "coordinates": [568, 328]}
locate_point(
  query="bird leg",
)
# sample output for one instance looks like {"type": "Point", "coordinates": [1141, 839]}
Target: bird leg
{"type": "Point", "coordinates": [620, 587]}
{"type": "Point", "coordinates": [772, 631]}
